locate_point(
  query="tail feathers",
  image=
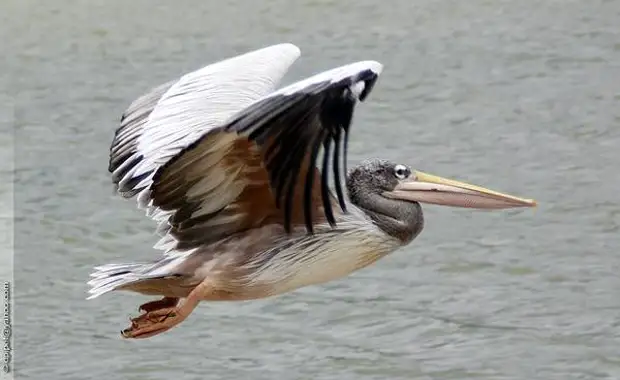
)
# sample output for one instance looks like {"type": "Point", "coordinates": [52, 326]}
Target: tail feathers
{"type": "Point", "coordinates": [107, 278]}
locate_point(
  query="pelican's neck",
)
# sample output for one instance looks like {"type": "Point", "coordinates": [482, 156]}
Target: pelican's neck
{"type": "Point", "coordinates": [400, 219]}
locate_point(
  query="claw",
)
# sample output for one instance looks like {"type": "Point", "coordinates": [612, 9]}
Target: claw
{"type": "Point", "coordinates": [152, 323]}
{"type": "Point", "coordinates": [160, 316]}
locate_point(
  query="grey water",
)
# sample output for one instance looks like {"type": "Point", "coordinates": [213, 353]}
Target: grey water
{"type": "Point", "coordinates": [520, 96]}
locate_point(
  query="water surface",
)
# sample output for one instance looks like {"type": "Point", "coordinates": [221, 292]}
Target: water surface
{"type": "Point", "coordinates": [522, 96]}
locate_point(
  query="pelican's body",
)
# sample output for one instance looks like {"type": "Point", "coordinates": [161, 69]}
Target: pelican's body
{"type": "Point", "coordinates": [230, 169]}
{"type": "Point", "coordinates": [266, 261]}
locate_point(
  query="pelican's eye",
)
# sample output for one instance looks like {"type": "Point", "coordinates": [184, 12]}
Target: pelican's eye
{"type": "Point", "coordinates": [401, 171]}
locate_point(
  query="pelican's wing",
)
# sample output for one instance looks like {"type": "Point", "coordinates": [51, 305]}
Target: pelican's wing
{"type": "Point", "coordinates": [163, 122]}
{"type": "Point", "coordinates": [260, 166]}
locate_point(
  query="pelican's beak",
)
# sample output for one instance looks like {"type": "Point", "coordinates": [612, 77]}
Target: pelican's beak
{"type": "Point", "coordinates": [427, 188]}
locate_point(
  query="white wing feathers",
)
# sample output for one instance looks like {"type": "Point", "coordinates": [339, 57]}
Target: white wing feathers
{"type": "Point", "coordinates": [131, 127]}
{"type": "Point", "coordinates": [196, 103]}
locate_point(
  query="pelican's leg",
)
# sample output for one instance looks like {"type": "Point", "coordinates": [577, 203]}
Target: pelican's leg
{"type": "Point", "coordinates": [161, 315]}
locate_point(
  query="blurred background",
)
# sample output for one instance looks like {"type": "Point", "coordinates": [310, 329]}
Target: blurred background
{"type": "Point", "coordinates": [520, 96]}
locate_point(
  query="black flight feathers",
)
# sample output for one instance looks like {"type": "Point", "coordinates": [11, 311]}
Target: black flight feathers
{"type": "Point", "coordinates": [299, 124]}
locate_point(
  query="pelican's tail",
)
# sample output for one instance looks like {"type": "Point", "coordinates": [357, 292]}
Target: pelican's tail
{"type": "Point", "coordinates": [109, 277]}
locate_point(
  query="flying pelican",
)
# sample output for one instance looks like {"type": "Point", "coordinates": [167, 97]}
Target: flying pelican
{"type": "Point", "coordinates": [236, 173]}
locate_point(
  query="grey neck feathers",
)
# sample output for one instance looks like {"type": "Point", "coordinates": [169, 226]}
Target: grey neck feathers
{"type": "Point", "coordinates": [400, 219]}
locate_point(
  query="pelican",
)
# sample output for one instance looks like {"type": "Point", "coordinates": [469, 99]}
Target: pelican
{"type": "Point", "coordinates": [236, 173]}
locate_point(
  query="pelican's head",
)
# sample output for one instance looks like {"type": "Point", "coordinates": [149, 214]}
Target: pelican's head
{"type": "Point", "coordinates": [399, 181]}
{"type": "Point", "coordinates": [391, 193]}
